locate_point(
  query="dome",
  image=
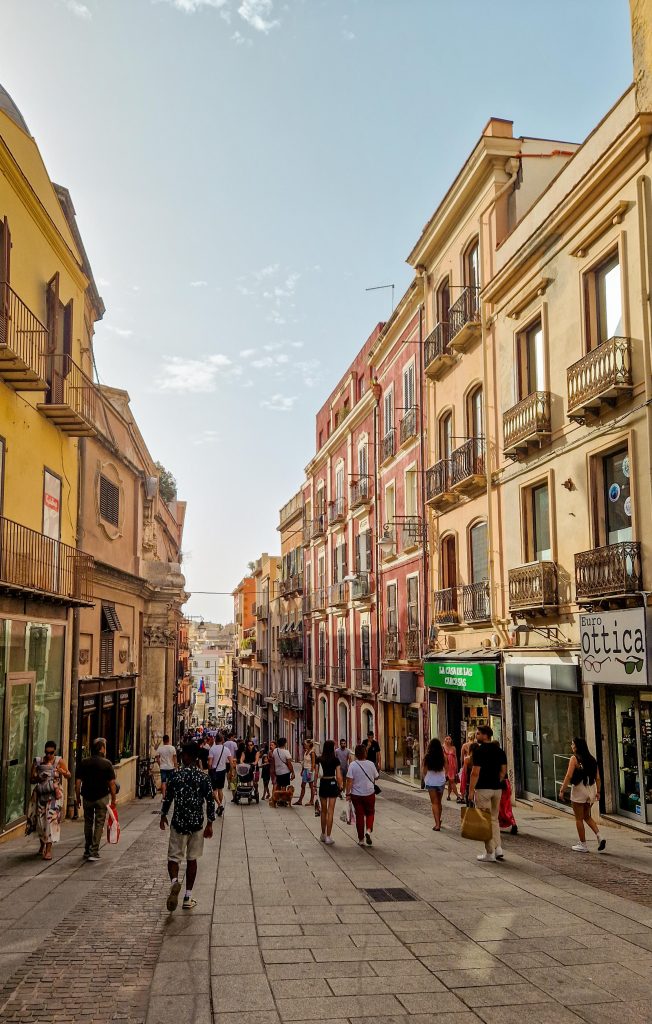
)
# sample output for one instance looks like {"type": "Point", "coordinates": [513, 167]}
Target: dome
{"type": "Point", "coordinates": [12, 111]}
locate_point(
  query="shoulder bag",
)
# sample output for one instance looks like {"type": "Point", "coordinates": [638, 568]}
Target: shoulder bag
{"type": "Point", "coordinates": [377, 789]}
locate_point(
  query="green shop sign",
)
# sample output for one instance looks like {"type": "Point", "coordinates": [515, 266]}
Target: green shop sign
{"type": "Point", "coordinates": [456, 675]}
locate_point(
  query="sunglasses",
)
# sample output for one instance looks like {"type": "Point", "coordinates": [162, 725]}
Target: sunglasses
{"type": "Point", "coordinates": [636, 664]}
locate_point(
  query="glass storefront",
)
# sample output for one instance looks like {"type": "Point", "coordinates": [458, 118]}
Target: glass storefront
{"type": "Point", "coordinates": [109, 713]}
{"type": "Point", "coordinates": [632, 719]}
{"type": "Point", "coordinates": [401, 753]}
{"type": "Point", "coordinates": [548, 722]}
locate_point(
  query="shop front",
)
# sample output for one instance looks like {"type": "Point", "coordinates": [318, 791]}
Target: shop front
{"type": "Point", "coordinates": [402, 736]}
{"type": "Point", "coordinates": [463, 693]}
{"type": "Point", "coordinates": [546, 713]}
{"type": "Point", "coordinates": [106, 708]}
{"type": "Point", "coordinates": [615, 662]}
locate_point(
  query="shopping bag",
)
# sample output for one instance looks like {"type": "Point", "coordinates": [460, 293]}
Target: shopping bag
{"type": "Point", "coordinates": [112, 826]}
{"type": "Point", "coordinates": [476, 824]}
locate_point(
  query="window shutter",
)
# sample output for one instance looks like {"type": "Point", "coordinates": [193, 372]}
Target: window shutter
{"type": "Point", "coordinates": [365, 645]}
{"type": "Point", "coordinates": [67, 332]}
{"type": "Point", "coordinates": [367, 537]}
{"type": "Point", "coordinates": [106, 654]}
{"type": "Point", "coordinates": [5, 252]}
{"type": "Point", "coordinates": [358, 561]}
{"type": "Point", "coordinates": [389, 413]}
{"type": "Point", "coordinates": [109, 501]}
{"type": "Point", "coordinates": [53, 307]}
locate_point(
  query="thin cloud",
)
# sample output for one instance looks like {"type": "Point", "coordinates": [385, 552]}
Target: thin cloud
{"type": "Point", "coordinates": [122, 332]}
{"type": "Point", "coordinates": [78, 9]}
{"type": "Point", "coordinates": [279, 403]}
{"type": "Point", "coordinates": [192, 6]}
{"type": "Point", "coordinates": [206, 437]}
{"type": "Point", "coordinates": [247, 353]}
{"type": "Point", "coordinates": [192, 376]}
{"type": "Point", "coordinates": [257, 14]}
{"type": "Point", "coordinates": [198, 284]}
{"type": "Point", "coordinates": [240, 40]}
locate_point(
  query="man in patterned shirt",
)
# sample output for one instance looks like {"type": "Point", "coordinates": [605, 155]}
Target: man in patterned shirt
{"type": "Point", "coordinates": [188, 788]}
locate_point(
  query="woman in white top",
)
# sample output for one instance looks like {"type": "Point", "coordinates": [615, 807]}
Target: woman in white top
{"type": "Point", "coordinates": [307, 773]}
{"type": "Point", "coordinates": [433, 773]}
{"type": "Point", "coordinates": [360, 790]}
{"type": "Point", "coordinates": [283, 767]}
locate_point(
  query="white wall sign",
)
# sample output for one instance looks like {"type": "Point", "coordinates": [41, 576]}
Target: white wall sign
{"type": "Point", "coordinates": [614, 647]}
{"type": "Point", "coordinates": [51, 505]}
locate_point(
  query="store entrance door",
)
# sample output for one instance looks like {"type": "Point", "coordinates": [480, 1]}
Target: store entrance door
{"type": "Point", "coordinates": [17, 748]}
{"type": "Point", "coordinates": [633, 755]}
{"type": "Point", "coordinates": [549, 721]}
{"type": "Point", "coordinates": [531, 745]}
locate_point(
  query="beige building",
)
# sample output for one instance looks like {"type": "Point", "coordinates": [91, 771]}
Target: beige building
{"type": "Point", "coordinates": [287, 628]}
{"type": "Point", "coordinates": [266, 573]}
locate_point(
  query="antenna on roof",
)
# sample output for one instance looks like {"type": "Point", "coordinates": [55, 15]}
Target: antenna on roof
{"type": "Point", "coordinates": [381, 287]}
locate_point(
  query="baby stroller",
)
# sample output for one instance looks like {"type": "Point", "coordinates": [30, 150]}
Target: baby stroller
{"type": "Point", "coordinates": [246, 784]}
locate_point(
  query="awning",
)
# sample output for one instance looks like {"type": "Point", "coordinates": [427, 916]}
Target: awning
{"type": "Point", "coordinates": [285, 628]}
{"type": "Point", "coordinates": [110, 623]}
{"type": "Point", "coordinates": [479, 654]}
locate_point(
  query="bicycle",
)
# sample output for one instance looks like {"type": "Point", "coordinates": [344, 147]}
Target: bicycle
{"type": "Point", "coordinates": [146, 785]}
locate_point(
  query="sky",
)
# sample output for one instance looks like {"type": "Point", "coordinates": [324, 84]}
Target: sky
{"type": "Point", "coordinates": [242, 170]}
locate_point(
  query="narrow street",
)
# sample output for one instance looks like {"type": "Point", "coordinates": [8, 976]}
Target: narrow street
{"type": "Point", "coordinates": [285, 932]}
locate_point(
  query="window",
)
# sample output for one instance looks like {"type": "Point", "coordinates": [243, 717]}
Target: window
{"type": "Point", "coordinates": [109, 501]}
{"type": "Point", "coordinates": [413, 602]}
{"type": "Point", "coordinates": [388, 410]}
{"type": "Point", "coordinates": [339, 562]}
{"type": "Point", "coordinates": [475, 422]}
{"type": "Point", "coordinates": [479, 556]}
{"type": "Point", "coordinates": [365, 645]}
{"type": "Point", "coordinates": [531, 361]}
{"type": "Point", "coordinates": [614, 505]}
{"type": "Point", "coordinates": [390, 505]}
{"type": "Point", "coordinates": [363, 552]}
{"type": "Point", "coordinates": [341, 648]}
{"type": "Point", "coordinates": [472, 266]}
{"type": "Point", "coordinates": [411, 503]}
{"type": "Point", "coordinates": [449, 563]}
{"type": "Point", "coordinates": [603, 302]}
{"type": "Point", "coordinates": [537, 524]}
{"type": "Point", "coordinates": [408, 387]}
{"type": "Point", "coordinates": [2, 472]}
{"type": "Point", "coordinates": [106, 653]}
{"type": "Point", "coordinates": [363, 464]}
{"type": "Point", "coordinates": [322, 653]}
{"type": "Point", "coordinates": [361, 387]}
{"type": "Point", "coordinates": [442, 302]}
{"type": "Point", "coordinates": [339, 482]}
{"type": "Point", "coordinates": [392, 617]}
{"type": "Point", "coordinates": [446, 435]}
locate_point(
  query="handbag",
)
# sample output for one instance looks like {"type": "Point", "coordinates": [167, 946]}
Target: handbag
{"type": "Point", "coordinates": [377, 789]}
{"type": "Point", "coordinates": [476, 824]}
{"type": "Point", "coordinates": [112, 826]}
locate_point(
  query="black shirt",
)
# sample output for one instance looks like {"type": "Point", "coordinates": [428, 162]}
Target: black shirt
{"type": "Point", "coordinates": [489, 758]}
{"type": "Point", "coordinates": [202, 757]}
{"type": "Point", "coordinates": [373, 750]}
{"type": "Point", "coordinates": [329, 766]}
{"type": "Point", "coordinates": [189, 788]}
{"type": "Point", "coordinates": [95, 773]}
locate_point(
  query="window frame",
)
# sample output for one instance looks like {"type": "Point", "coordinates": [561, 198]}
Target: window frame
{"type": "Point", "coordinates": [475, 389]}
{"type": "Point", "coordinates": [588, 293]}
{"type": "Point", "coordinates": [412, 618]}
{"type": "Point", "coordinates": [445, 416]}
{"type": "Point", "coordinates": [521, 356]}
{"type": "Point", "coordinates": [474, 526]}
{"type": "Point", "coordinates": [599, 535]}
{"type": "Point", "coordinates": [388, 403]}
{"type": "Point", "coordinates": [527, 518]}
{"type": "Point", "coordinates": [391, 607]}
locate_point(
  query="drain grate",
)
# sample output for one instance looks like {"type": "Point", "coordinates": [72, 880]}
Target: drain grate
{"type": "Point", "coordinates": [390, 895]}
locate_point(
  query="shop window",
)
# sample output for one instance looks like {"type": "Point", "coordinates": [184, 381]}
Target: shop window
{"type": "Point", "coordinates": [45, 656]}
{"type": "Point", "coordinates": [109, 501]}
{"type": "Point", "coordinates": [537, 524]}
{"type": "Point", "coordinates": [603, 306]}
{"type": "Point", "coordinates": [531, 361]}
{"type": "Point", "coordinates": [613, 504]}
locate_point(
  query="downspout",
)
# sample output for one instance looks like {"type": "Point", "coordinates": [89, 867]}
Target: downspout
{"type": "Point", "coordinates": [377, 523]}
{"type": "Point", "coordinates": [645, 246]}
{"type": "Point", "coordinates": [421, 477]}
{"type": "Point", "coordinates": [71, 808]}
{"type": "Point", "coordinates": [495, 622]}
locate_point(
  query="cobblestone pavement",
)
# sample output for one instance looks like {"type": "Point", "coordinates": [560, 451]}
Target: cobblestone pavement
{"type": "Point", "coordinates": [285, 933]}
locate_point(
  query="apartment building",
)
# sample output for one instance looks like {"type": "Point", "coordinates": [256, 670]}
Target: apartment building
{"type": "Point", "coordinates": [246, 702]}
{"type": "Point", "coordinates": [266, 574]}
{"type": "Point", "coordinates": [339, 533]}
{"type": "Point", "coordinates": [287, 636]}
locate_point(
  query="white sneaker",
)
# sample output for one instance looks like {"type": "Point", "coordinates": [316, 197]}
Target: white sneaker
{"type": "Point", "coordinates": [360, 842]}
{"type": "Point", "coordinates": [499, 853]}
{"type": "Point", "coordinates": [329, 841]}
{"type": "Point", "coordinates": [488, 857]}
{"type": "Point", "coordinates": [322, 838]}
{"type": "Point", "coordinates": [580, 848]}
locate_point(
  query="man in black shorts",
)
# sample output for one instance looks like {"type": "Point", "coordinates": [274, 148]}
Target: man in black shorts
{"type": "Point", "coordinates": [218, 765]}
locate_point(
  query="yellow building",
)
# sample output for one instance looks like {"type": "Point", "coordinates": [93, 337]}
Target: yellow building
{"type": "Point", "coordinates": [48, 305]}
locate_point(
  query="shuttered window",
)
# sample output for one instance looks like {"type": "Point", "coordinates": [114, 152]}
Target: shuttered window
{"type": "Point", "coordinates": [365, 646]}
{"type": "Point", "coordinates": [413, 602]}
{"type": "Point", "coordinates": [106, 653]}
{"type": "Point", "coordinates": [109, 501]}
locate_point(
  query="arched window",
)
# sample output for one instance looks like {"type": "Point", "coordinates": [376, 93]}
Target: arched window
{"type": "Point", "coordinates": [442, 301]}
{"type": "Point", "coordinates": [474, 413]}
{"type": "Point", "coordinates": [472, 265]}
{"type": "Point", "coordinates": [342, 722]}
{"type": "Point", "coordinates": [478, 553]}
{"type": "Point", "coordinates": [446, 435]}
{"type": "Point", "coordinates": [449, 562]}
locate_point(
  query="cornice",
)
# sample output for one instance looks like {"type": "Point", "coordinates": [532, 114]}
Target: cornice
{"type": "Point", "coordinates": [397, 323]}
{"type": "Point", "coordinates": [357, 414]}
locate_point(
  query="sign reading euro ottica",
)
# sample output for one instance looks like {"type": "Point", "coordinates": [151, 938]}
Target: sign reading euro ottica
{"type": "Point", "coordinates": [614, 647]}
{"type": "Point", "coordinates": [466, 677]}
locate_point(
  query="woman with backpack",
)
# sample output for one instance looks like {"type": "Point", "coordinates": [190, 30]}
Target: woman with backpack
{"type": "Point", "coordinates": [583, 777]}
{"type": "Point", "coordinates": [433, 773]}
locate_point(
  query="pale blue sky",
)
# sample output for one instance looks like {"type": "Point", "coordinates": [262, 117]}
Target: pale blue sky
{"type": "Point", "coordinates": [243, 169]}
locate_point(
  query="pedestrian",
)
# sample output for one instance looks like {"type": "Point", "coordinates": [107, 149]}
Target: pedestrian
{"type": "Point", "coordinates": [433, 773]}
{"type": "Point", "coordinates": [166, 758]}
{"type": "Point", "coordinates": [466, 762]}
{"type": "Point", "coordinates": [583, 776]}
{"type": "Point", "coordinates": [95, 786]}
{"type": "Point", "coordinates": [344, 755]}
{"type": "Point", "coordinates": [361, 791]}
{"type": "Point", "coordinates": [283, 768]}
{"type": "Point", "coordinates": [204, 747]}
{"type": "Point", "coordinates": [218, 764]}
{"type": "Point", "coordinates": [250, 756]}
{"type": "Point", "coordinates": [48, 772]}
{"type": "Point", "coordinates": [189, 790]}
{"type": "Point", "coordinates": [307, 773]}
{"type": "Point", "coordinates": [488, 771]}
{"type": "Point", "coordinates": [373, 750]}
{"type": "Point", "coordinates": [231, 745]}
{"type": "Point", "coordinates": [330, 785]}
{"type": "Point", "coordinates": [452, 768]}
{"type": "Point", "coordinates": [265, 769]}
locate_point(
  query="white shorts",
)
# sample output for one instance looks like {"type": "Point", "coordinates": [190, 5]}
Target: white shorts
{"type": "Point", "coordinates": [182, 847]}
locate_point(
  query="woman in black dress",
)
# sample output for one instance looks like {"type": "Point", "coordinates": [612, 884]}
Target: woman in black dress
{"type": "Point", "coordinates": [330, 784]}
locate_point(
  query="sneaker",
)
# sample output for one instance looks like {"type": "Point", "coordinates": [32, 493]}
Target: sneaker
{"type": "Point", "coordinates": [367, 839]}
{"type": "Point", "coordinates": [499, 854]}
{"type": "Point", "coordinates": [329, 841]}
{"type": "Point", "coordinates": [173, 897]}
{"type": "Point", "coordinates": [86, 854]}
{"type": "Point", "coordinates": [188, 903]}
{"type": "Point", "coordinates": [513, 830]}
{"type": "Point", "coordinates": [322, 838]}
{"type": "Point", "coordinates": [580, 848]}
{"type": "Point", "coordinates": [93, 856]}
{"type": "Point", "coordinates": [489, 858]}
{"type": "Point", "coordinates": [360, 842]}
{"type": "Point", "coordinates": [601, 845]}
{"type": "Point", "coordinates": [220, 810]}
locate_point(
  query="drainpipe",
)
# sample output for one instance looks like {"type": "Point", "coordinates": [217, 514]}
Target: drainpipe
{"type": "Point", "coordinates": [71, 807]}
{"type": "Point", "coordinates": [422, 478]}
{"type": "Point", "coordinates": [377, 524]}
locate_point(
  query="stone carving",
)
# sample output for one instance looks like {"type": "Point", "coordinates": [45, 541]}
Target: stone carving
{"type": "Point", "coordinates": [123, 655]}
{"type": "Point", "coordinates": [84, 657]}
{"type": "Point", "coordinates": [158, 636]}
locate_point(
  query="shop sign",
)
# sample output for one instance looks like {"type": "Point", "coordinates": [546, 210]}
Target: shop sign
{"type": "Point", "coordinates": [124, 697]}
{"type": "Point", "coordinates": [108, 700]}
{"type": "Point", "coordinates": [614, 647]}
{"type": "Point", "coordinates": [464, 677]}
{"type": "Point", "coordinates": [89, 704]}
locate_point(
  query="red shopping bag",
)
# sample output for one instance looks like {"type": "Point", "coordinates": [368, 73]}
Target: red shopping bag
{"type": "Point", "coordinates": [112, 825]}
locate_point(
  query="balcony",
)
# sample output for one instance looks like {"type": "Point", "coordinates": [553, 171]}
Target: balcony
{"type": "Point", "coordinates": [413, 644]}
{"type": "Point", "coordinates": [72, 399]}
{"type": "Point", "coordinates": [34, 564]}
{"type": "Point", "coordinates": [439, 492]}
{"type": "Point", "coordinates": [600, 378]}
{"type": "Point", "coordinates": [23, 340]}
{"type": "Point", "coordinates": [438, 358]}
{"type": "Point", "coordinates": [408, 426]}
{"type": "Point", "coordinates": [292, 585]}
{"type": "Point", "coordinates": [610, 571]}
{"type": "Point", "coordinates": [321, 673]}
{"type": "Point", "coordinates": [338, 594]}
{"type": "Point", "coordinates": [360, 492]}
{"type": "Point", "coordinates": [444, 607]}
{"type": "Point", "coordinates": [468, 467]}
{"type": "Point", "coordinates": [247, 650]}
{"type": "Point", "coordinates": [533, 587]}
{"type": "Point", "coordinates": [262, 610]}
{"type": "Point", "coordinates": [476, 602]}
{"type": "Point", "coordinates": [464, 320]}
{"type": "Point", "coordinates": [391, 645]}
{"type": "Point", "coordinates": [262, 656]}
{"type": "Point", "coordinates": [291, 647]}
{"type": "Point", "coordinates": [318, 600]}
{"type": "Point", "coordinates": [338, 676]}
{"type": "Point", "coordinates": [362, 679]}
{"type": "Point", "coordinates": [361, 587]}
{"type": "Point", "coordinates": [319, 526]}
{"type": "Point", "coordinates": [526, 424]}
{"type": "Point", "coordinates": [388, 446]}
{"type": "Point", "coordinates": [337, 511]}
{"type": "Point", "coordinates": [411, 533]}
{"type": "Point", "coordinates": [307, 533]}
{"type": "Point", "coordinates": [307, 671]}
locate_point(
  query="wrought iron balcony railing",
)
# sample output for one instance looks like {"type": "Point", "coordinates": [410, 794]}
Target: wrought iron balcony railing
{"type": "Point", "coordinates": [319, 525]}
{"type": "Point", "coordinates": [608, 571]}
{"type": "Point", "coordinates": [318, 600]}
{"type": "Point", "coordinates": [262, 610]}
{"type": "Point", "coordinates": [362, 679]}
{"type": "Point", "coordinates": [338, 594]}
{"type": "Point", "coordinates": [411, 532]}
{"type": "Point", "coordinates": [337, 511]}
{"type": "Point", "coordinates": [33, 563]}
{"type": "Point", "coordinates": [439, 490]}
{"type": "Point", "coordinates": [413, 644]}
{"type": "Point", "coordinates": [464, 319]}
{"type": "Point", "coordinates": [527, 423]}
{"type": "Point", "coordinates": [262, 656]}
{"type": "Point", "coordinates": [72, 398]}
{"type": "Point", "coordinates": [533, 587]}
{"type": "Point", "coordinates": [476, 602]}
{"type": "Point", "coordinates": [307, 532]}
{"type": "Point", "coordinates": [321, 671]}
{"type": "Point", "coordinates": [388, 445]}
{"type": "Point", "coordinates": [23, 340]}
{"type": "Point", "coordinates": [361, 586]}
{"type": "Point", "coordinates": [307, 671]}
{"type": "Point", "coordinates": [437, 355]}
{"type": "Point", "coordinates": [338, 674]}
{"type": "Point", "coordinates": [444, 607]}
{"type": "Point", "coordinates": [291, 647]}
{"type": "Point", "coordinates": [292, 584]}
{"type": "Point", "coordinates": [468, 466]}
{"type": "Point", "coordinates": [391, 645]}
{"type": "Point", "coordinates": [600, 377]}
{"type": "Point", "coordinates": [360, 492]}
{"type": "Point", "coordinates": [408, 425]}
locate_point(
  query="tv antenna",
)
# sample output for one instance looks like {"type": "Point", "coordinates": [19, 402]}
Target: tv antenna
{"type": "Point", "coordinates": [380, 288]}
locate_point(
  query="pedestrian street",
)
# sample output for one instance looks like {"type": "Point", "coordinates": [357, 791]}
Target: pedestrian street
{"type": "Point", "coordinates": [286, 929]}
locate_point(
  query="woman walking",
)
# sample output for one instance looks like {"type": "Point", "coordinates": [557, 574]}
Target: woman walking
{"type": "Point", "coordinates": [433, 773]}
{"type": "Point", "coordinates": [452, 769]}
{"type": "Point", "coordinates": [466, 762]}
{"type": "Point", "coordinates": [330, 785]}
{"type": "Point", "coordinates": [265, 769]}
{"type": "Point", "coordinates": [307, 773]}
{"type": "Point", "coordinates": [47, 773]}
{"type": "Point", "coordinates": [584, 779]}
{"type": "Point", "coordinates": [361, 791]}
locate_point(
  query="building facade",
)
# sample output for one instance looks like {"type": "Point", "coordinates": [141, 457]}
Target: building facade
{"type": "Point", "coordinates": [247, 700]}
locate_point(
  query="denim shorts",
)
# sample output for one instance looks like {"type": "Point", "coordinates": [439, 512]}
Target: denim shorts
{"type": "Point", "coordinates": [307, 776]}
{"type": "Point", "coordinates": [436, 789]}
{"type": "Point", "coordinates": [166, 774]}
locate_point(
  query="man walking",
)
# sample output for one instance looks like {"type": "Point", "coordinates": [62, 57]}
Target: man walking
{"type": "Point", "coordinates": [166, 757]}
{"type": "Point", "coordinates": [218, 764]}
{"type": "Point", "coordinates": [94, 786]}
{"type": "Point", "coordinates": [373, 750]}
{"type": "Point", "coordinates": [488, 771]}
{"type": "Point", "coordinates": [343, 755]}
{"type": "Point", "coordinates": [189, 789]}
